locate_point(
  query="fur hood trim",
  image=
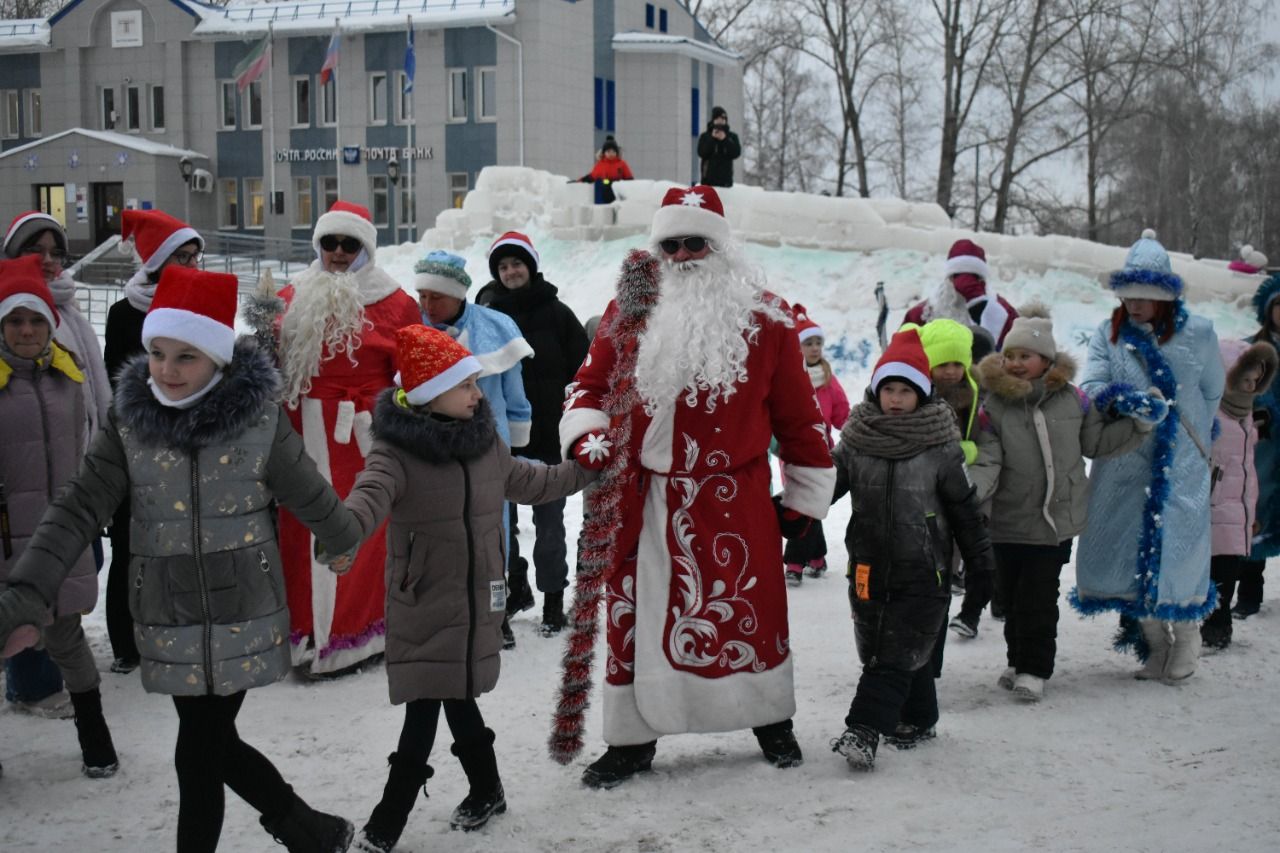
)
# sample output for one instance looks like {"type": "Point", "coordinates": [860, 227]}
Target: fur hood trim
{"type": "Point", "coordinates": [433, 440]}
{"type": "Point", "coordinates": [996, 380]}
{"type": "Point", "coordinates": [1247, 356]}
{"type": "Point", "coordinates": [250, 383]}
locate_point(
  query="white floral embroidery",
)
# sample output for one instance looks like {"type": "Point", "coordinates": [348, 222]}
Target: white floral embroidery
{"type": "Point", "coordinates": [595, 446]}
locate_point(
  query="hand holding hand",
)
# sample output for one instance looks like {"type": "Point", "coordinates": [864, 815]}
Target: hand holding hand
{"type": "Point", "coordinates": [21, 611]}
{"type": "Point", "coordinates": [593, 451]}
{"type": "Point", "coordinates": [342, 565]}
{"type": "Point", "coordinates": [792, 523]}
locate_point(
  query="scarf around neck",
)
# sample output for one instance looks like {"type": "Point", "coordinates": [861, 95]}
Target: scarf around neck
{"type": "Point", "coordinates": [871, 431]}
{"type": "Point", "coordinates": [140, 290]}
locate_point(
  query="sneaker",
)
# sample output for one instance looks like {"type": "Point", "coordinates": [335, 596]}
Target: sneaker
{"type": "Point", "coordinates": [124, 666]}
{"type": "Point", "coordinates": [964, 628]}
{"type": "Point", "coordinates": [508, 636]}
{"type": "Point", "coordinates": [1007, 678]}
{"type": "Point", "coordinates": [794, 573]}
{"type": "Point", "coordinates": [618, 764]}
{"type": "Point", "coordinates": [55, 706]}
{"type": "Point", "coordinates": [858, 746]}
{"type": "Point", "coordinates": [778, 743]}
{"type": "Point", "coordinates": [1028, 687]}
{"type": "Point", "coordinates": [909, 736]}
{"type": "Point", "coordinates": [816, 568]}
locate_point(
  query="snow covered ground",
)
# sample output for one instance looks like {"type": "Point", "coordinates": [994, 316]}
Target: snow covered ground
{"type": "Point", "coordinates": [1104, 762]}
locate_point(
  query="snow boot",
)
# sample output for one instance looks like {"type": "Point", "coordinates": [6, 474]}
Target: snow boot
{"type": "Point", "coordinates": [519, 595]}
{"type": "Point", "coordinates": [404, 779]}
{"type": "Point", "coordinates": [794, 573]}
{"type": "Point", "coordinates": [618, 764]}
{"type": "Point", "coordinates": [486, 797]}
{"type": "Point", "coordinates": [909, 736]}
{"type": "Point", "coordinates": [816, 568]}
{"type": "Point", "coordinates": [1214, 638]}
{"type": "Point", "coordinates": [1159, 641]}
{"type": "Point", "coordinates": [778, 743]}
{"type": "Point", "coordinates": [1185, 654]}
{"type": "Point", "coordinates": [553, 620]}
{"type": "Point", "coordinates": [858, 746]}
{"type": "Point", "coordinates": [1028, 687]}
{"type": "Point", "coordinates": [95, 738]}
{"type": "Point", "coordinates": [963, 628]}
{"type": "Point", "coordinates": [302, 829]}
{"type": "Point", "coordinates": [1007, 678]}
{"type": "Point", "coordinates": [508, 636]}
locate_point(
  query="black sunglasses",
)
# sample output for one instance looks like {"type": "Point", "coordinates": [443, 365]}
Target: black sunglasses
{"type": "Point", "coordinates": [693, 244]}
{"type": "Point", "coordinates": [350, 245]}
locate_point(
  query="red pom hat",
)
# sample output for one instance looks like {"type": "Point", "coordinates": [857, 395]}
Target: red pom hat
{"type": "Point", "coordinates": [27, 225]}
{"type": "Point", "coordinates": [156, 235]}
{"type": "Point", "coordinates": [967, 256]}
{"type": "Point", "coordinates": [805, 327]}
{"type": "Point", "coordinates": [347, 220]}
{"type": "Point", "coordinates": [513, 244]}
{"type": "Point", "coordinates": [904, 360]}
{"type": "Point", "coordinates": [691, 212]}
{"type": "Point", "coordinates": [197, 308]}
{"type": "Point", "coordinates": [22, 285]}
{"type": "Point", "coordinates": [431, 362]}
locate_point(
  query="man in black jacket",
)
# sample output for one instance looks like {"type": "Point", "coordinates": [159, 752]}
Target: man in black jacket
{"type": "Point", "coordinates": [718, 147]}
{"type": "Point", "coordinates": [559, 347]}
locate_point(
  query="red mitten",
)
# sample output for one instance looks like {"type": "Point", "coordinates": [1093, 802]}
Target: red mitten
{"type": "Point", "coordinates": [592, 451]}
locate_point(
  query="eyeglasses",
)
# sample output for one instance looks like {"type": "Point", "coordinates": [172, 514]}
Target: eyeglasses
{"type": "Point", "coordinates": [331, 242]}
{"type": "Point", "coordinates": [55, 254]}
{"type": "Point", "coordinates": [187, 259]}
{"type": "Point", "coordinates": [692, 244]}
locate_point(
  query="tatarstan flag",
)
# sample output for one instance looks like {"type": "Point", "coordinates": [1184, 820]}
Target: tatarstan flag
{"type": "Point", "coordinates": [252, 66]}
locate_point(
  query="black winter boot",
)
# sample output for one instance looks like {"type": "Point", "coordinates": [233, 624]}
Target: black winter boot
{"type": "Point", "coordinates": [618, 764]}
{"type": "Point", "coordinates": [778, 743]}
{"type": "Point", "coordinates": [486, 797]}
{"type": "Point", "coordinates": [858, 746]}
{"type": "Point", "coordinates": [385, 825]}
{"type": "Point", "coordinates": [302, 829]}
{"type": "Point", "coordinates": [553, 620]}
{"type": "Point", "coordinates": [95, 738]}
{"type": "Point", "coordinates": [508, 636]}
{"type": "Point", "coordinates": [519, 594]}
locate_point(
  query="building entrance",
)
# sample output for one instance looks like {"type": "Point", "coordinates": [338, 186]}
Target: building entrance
{"type": "Point", "coordinates": [108, 199]}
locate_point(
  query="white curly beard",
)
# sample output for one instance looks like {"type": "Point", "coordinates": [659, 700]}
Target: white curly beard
{"type": "Point", "coordinates": [699, 334]}
{"type": "Point", "coordinates": [324, 319]}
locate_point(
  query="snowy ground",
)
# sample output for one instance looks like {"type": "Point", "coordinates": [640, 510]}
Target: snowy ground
{"type": "Point", "coordinates": [1104, 762]}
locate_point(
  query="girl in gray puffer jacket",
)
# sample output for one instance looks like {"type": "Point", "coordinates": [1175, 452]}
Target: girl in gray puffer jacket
{"type": "Point", "coordinates": [198, 445]}
{"type": "Point", "coordinates": [899, 458]}
{"type": "Point", "coordinates": [438, 470]}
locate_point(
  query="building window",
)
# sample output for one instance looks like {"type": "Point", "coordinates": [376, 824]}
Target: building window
{"type": "Point", "coordinates": [609, 111]}
{"type": "Point", "coordinates": [328, 191]}
{"type": "Point", "coordinates": [301, 101]}
{"type": "Point", "coordinates": [378, 98]}
{"type": "Point", "coordinates": [404, 100]}
{"type": "Point", "coordinates": [693, 104]}
{"type": "Point", "coordinates": [329, 104]}
{"type": "Point", "coordinates": [227, 108]}
{"type": "Point", "coordinates": [408, 210]}
{"type": "Point", "coordinates": [648, 15]}
{"type": "Point", "coordinates": [457, 94]}
{"type": "Point", "coordinates": [662, 20]}
{"type": "Point", "coordinates": [228, 203]}
{"type": "Point", "coordinates": [487, 94]}
{"type": "Point", "coordinates": [301, 202]}
{"type": "Point", "coordinates": [35, 118]}
{"type": "Point", "coordinates": [157, 108]}
{"type": "Point", "coordinates": [379, 200]}
{"type": "Point", "coordinates": [132, 109]}
{"type": "Point", "coordinates": [107, 102]}
{"type": "Point", "coordinates": [255, 202]}
{"type": "Point", "coordinates": [458, 185]}
{"type": "Point", "coordinates": [253, 105]}
{"type": "Point", "coordinates": [12, 118]}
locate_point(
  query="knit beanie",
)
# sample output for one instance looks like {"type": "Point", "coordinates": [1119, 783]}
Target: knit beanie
{"type": "Point", "coordinates": [431, 362]}
{"type": "Point", "coordinates": [1032, 330]}
{"type": "Point", "coordinates": [513, 244]}
{"type": "Point", "coordinates": [442, 272]}
{"type": "Point", "coordinates": [25, 227]}
{"type": "Point", "coordinates": [1147, 273]}
{"type": "Point", "coordinates": [944, 341]}
{"type": "Point", "coordinates": [22, 285]}
{"type": "Point", "coordinates": [904, 361]}
{"type": "Point", "coordinates": [197, 308]}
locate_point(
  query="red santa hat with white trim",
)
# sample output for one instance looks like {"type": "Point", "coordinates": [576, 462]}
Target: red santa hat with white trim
{"type": "Point", "coordinates": [26, 226]}
{"type": "Point", "coordinates": [805, 327]}
{"type": "Point", "coordinates": [22, 285]}
{"type": "Point", "coordinates": [431, 362]}
{"type": "Point", "coordinates": [904, 360]}
{"type": "Point", "coordinates": [347, 220]}
{"type": "Point", "coordinates": [517, 245]}
{"type": "Point", "coordinates": [156, 235]}
{"type": "Point", "coordinates": [967, 256]}
{"type": "Point", "coordinates": [691, 212]}
{"type": "Point", "coordinates": [197, 308]}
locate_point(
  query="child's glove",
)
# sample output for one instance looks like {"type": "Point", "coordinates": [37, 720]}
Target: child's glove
{"type": "Point", "coordinates": [970, 449]}
{"type": "Point", "coordinates": [1147, 408]}
{"type": "Point", "coordinates": [592, 451]}
{"type": "Point", "coordinates": [21, 610]}
{"type": "Point", "coordinates": [792, 524]}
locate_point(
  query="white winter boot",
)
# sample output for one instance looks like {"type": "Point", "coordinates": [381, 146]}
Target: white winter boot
{"type": "Point", "coordinates": [1186, 651]}
{"type": "Point", "coordinates": [1159, 642]}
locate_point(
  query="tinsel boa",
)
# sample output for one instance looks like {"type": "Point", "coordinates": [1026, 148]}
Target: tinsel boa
{"type": "Point", "coordinates": [637, 293]}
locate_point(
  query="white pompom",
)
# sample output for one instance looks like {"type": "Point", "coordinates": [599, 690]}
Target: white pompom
{"type": "Point", "coordinates": [1148, 233]}
{"type": "Point", "coordinates": [1245, 251]}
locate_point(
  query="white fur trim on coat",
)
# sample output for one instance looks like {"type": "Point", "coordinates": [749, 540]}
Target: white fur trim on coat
{"type": "Point", "coordinates": [574, 424]}
{"type": "Point", "coordinates": [504, 358]}
{"type": "Point", "coordinates": [347, 224]}
{"type": "Point", "coordinates": [439, 284]}
{"type": "Point", "coordinates": [808, 490]}
{"type": "Point", "coordinates": [520, 432]}
{"type": "Point", "coordinates": [678, 220]}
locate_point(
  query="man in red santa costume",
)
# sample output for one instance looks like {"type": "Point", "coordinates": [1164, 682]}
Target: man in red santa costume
{"type": "Point", "coordinates": [966, 295]}
{"type": "Point", "coordinates": [337, 351]}
{"type": "Point", "coordinates": [695, 366]}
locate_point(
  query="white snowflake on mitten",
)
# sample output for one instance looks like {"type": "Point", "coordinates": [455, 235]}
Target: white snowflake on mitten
{"type": "Point", "coordinates": [595, 447]}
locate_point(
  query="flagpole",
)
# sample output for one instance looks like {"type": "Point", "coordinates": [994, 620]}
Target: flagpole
{"type": "Point", "coordinates": [271, 88]}
{"type": "Point", "coordinates": [408, 131]}
{"type": "Point", "coordinates": [337, 113]}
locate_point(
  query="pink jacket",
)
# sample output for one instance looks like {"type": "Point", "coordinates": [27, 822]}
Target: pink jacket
{"type": "Point", "coordinates": [1234, 498]}
{"type": "Point", "coordinates": [835, 406]}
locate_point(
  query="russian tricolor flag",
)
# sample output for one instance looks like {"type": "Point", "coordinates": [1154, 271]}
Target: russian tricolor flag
{"type": "Point", "coordinates": [330, 56]}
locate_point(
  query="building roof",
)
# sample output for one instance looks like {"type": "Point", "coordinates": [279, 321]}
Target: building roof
{"type": "Point", "coordinates": [124, 140]}
{"type": "Point", "coordinates": [241, 18]}
{"type": "Point", "coordinates": [20, 33]}
{"type": "Point", "coordinates": [636, 42]}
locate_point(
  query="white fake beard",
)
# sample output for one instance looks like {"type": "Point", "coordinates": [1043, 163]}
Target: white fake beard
{"type": "Point", "coordinates": [946, 302]}
{"type": "Point", "coordinates": [325, 318]}
{"type": "Point", "coordinates": [699, 334]}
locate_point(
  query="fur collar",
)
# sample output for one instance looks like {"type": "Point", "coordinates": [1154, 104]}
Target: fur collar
{"type": "Point", "coordinates": [250, 383]}
{"type": "Point", "coordinates": [431, 439]}
{"type": "Point", "coordinates": [996, 380]}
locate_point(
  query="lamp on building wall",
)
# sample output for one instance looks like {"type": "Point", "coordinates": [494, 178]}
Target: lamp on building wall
{"type": "Point", "coordinates": [188, 169]}
{"type": "Point", "coordinates": [393, 178]}
{"type": "Point", "coordinates": [393, 171]}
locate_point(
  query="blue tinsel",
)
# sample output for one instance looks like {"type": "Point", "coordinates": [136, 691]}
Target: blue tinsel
{"type": "Point", "coordinates": [1163, 280]}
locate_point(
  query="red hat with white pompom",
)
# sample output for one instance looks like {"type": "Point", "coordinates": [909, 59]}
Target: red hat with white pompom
{"type": "Point", "coordinates": [805, 327]}
{"type": "Point", "coordinates": [431, 362]}
{"type": "Point", "coordinates": [904, 360]}
{"type": "Point", "coordinates": [197, 308]}
{"type": "Point", "coordinates": [691, 212]}
{"type": "Point", "coordinates": [155, 236]}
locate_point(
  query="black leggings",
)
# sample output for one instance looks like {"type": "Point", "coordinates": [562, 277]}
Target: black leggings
{"type": "Point", "coordinates": [209, 755]}
{"type": "Point", "coordinates": [421, 716]}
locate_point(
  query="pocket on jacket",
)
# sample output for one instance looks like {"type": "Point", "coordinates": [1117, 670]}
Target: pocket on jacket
{"type": "Point", "coordinates": [404, 584]}
{"type": "Point", "coordinates": [149, 601]}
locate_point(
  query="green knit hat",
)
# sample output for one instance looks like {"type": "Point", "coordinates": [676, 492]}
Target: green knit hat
{"type": "Point", "coordinates": [946, 341]}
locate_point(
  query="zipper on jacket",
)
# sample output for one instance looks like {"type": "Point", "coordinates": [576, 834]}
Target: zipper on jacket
{"type": "Point", "coordinates": [4, 523]}
{"type": "Point", "coordinates": [44, 428]}
{"type": "Point", "coordinates": [207, 651]}
{"type": "Point", "coordinates": [888, 560]}
{"type": "Point", "coordinates": [471, 579]}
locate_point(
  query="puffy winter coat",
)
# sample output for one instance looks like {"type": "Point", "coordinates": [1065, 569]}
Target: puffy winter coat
{"type": "Point", "coordinates": [717, 157]}
{"type": "Point", "coordinates": [443, 483]}
{"type": "Point", "coordinates": [1267, 461]}
{"type": "Point", "coordinates": [42, 440]}
{"type": "Point", "coordinates": [1234, 494]}
{"type": "Point", "coordinates": [205, 584]}
{"type": "Point", "coordinates": [123, 339]}
{"type": "Point", "coordinates": [1032, 438]}
{"type": "Point", "coordinates": [906, 511]}
{"type": "Point", "coordinates": [834, 404]}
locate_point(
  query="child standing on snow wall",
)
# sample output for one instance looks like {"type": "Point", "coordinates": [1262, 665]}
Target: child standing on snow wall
{"type": "Point", "coordinates": [1035, 429]}
{"type": "Point", "coordinates": [899, 459]}
{"type": "Point", "coordinates": [198, 444]}
{"type": "Point", "coordinates": [438, 470]}
{"type": "Point", "coordinates": [807, 554]}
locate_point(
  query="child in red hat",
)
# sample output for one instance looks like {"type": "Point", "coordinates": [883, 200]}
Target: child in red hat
{"type": "Point", "coordinates": [899, 458]}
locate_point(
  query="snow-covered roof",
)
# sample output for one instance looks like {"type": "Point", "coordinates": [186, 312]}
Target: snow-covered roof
{"type": "Point", "coordinates": [635, 42]}
{"type": "Point", "coordinates": [24, 33]}
{"type": "Point", "coordinates": [124, 140]}
{"type": "Point", "coordinates": [313, 17]}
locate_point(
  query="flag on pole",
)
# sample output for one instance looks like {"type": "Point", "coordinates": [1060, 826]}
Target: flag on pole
{"type": "Point", "coordinates": [410, 62]}
{"type": "Point", "coordinates": [330, 56]}
{"type": "Point", "coordinates": [252, 66]}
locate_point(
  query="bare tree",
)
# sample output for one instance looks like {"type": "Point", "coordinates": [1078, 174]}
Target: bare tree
{"type": "Point", "coordinates": [23, 9]}
{"type": "Point", "coordinates": [719, 16]}
{"type": "Point", "coordinates": [902, 92]}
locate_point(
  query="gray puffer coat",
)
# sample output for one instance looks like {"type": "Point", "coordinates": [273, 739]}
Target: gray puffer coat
{"type": "Point", "coordinates": [209, 619]}
{"type": "Point", "coordinates": [443, 483]}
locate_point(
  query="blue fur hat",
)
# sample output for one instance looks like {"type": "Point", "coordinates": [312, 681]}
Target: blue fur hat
{"type": "Point", "coordinates": [1267, 293]}
{"type": "Point", "coordinates": [442, 272]}
{"type": "Point", "coordinates": [1147, 273]}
